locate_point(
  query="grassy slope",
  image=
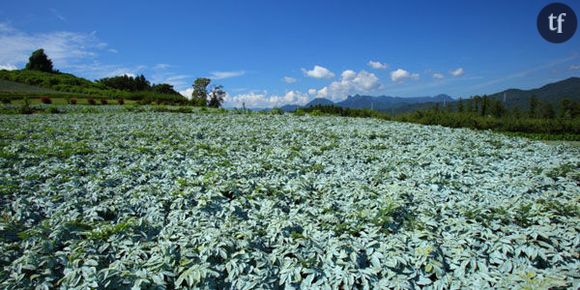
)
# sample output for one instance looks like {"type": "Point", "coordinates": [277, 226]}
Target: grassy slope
{"type": "Point", "coordinates": [10, 86]}
{"type": "Point", "coordinates": [62, 85]}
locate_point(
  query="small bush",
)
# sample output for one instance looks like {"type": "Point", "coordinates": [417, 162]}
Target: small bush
{"type": "Point", "coordinates": [145, 101]}
{"type": "Point", "coordinates": [45, 100]}
{"type": "Point", "coordinates": [53, 110]}
{"type": "Point", "coordinates": [25, 107]}
{"type": "Point", "coordinates": [72, 101]}
{"type": "Point", "coordinates": [276, 111]}
{"type": "Point", "coordinates": [104, 101]}
{"type": "Point", "coordinates": [91, 101]}
{"type": "Point", "coordinates": [120, 101]}
{"type": "Point", "coordinates": [6, 100]}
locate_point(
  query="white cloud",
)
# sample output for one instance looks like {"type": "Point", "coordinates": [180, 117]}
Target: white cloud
{"type": "Point", "coordinates": [161, 66]}
{"type": "Point", "coordinates": [438, 76]}
{"type": "Point", "coordinates": [351, 82]}
{"type": "Point", "coordinates": [262, 100]}
{"type": "Point", "coordinates": [575, 66]}
{"type": "Point", "coordinates": [289, 80]}
{"type": "Point", "coordinates": [312, 92]}
{"type": "Point", "coordinates": [7, 67]}
{"type": "Point", "coordinates": [318, 72]}
{"type": "Point", "coordinates": [377, 64]}
{"type": "Point", "coordinates": [63, 47]}
{"type": "Point", "coordinates": [187, 93]}
{"type": "Point", "coordinates": [177, 81]}
{"type": "Point", "coordinates": [457, 72]}
{"type": "Point", "coordinates": [218, 75]}
{"type": "Point", "coordinates": [401, 75]}
{"type": "Point", "coordinates": [348, 74]}
{"type": "Point", "coordinates": [97, 70]}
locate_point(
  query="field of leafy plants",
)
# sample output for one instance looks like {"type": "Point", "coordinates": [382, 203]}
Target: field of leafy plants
{"type": "Point", "coordinates": [112, 199]}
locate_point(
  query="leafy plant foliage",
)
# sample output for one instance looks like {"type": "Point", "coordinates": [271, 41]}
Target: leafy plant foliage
{"type": "Point", "coordinates": [108, 198]}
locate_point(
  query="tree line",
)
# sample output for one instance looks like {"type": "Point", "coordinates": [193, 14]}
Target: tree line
{"type": "Point", "coordinates": [539, 120]}
{"type": "Point", "coordinates": [486, 106]}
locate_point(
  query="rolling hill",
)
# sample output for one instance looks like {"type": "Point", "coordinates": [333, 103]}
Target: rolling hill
{"type": "Point", "coordinates": [30, 83]}
{"type": "Point", "coordinates": [552, 93]}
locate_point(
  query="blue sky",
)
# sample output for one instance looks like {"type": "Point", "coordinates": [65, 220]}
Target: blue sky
{"type": "Point", "coordinates": [269, 53]}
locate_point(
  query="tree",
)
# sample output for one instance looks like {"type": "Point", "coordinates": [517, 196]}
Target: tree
{"type": "Point", "coordinates": [569, 108]}
{"type": "Point", "coordinates": [460, 105]}
{"type": "Point", "coordinates": [141, 84]}
{"type": "Point", "coordinates": [164, 89]}
{"type": "Point", "coordinates": [436, 108]}
{"type": "Point", "coordinates": [497, 108]}
{"type": "Point", "coordinates": [548, 111]}
{"type": "Point", "coordinates": [127, 83]}
{"type": "Point", "coordinates": [534, 103]}
{"type": "Point", "coordinates": [216, 97]}
{"type": "Point", "coordinates": [199, 95]}
{"type": "Point", "coordinates": [39, 61]}
{"type": "Point", "coordinates": [476, 103]}
{"type": "Point", "coordinates": [484, 105]}
{"type": "Point", "coordinates": [448, 107]}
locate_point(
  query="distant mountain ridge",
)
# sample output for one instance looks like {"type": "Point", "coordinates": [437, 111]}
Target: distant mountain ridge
{"type": "Point", "coordinates": [551, 93]}
{"type": "Point", "coordinates": [379, 103]}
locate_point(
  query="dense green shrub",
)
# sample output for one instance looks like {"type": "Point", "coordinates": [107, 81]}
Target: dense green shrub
{"type": "Point", "coordinates": [91, 101]}
{"type": "Point", "coordinates": [276, 111]}
{"type": "Point", "coordinates": [564, 126]}
{"type": "Point", "coordinates": [53, 110]}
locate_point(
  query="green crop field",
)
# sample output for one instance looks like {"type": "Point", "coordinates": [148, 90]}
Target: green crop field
{"type": "Point", "coordinates": [110, 198]}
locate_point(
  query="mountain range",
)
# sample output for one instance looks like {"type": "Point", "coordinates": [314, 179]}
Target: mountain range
{"type": "Point", "coordinates": [379, 103]}
{"type": "Point", "coordinates": [551, 93]}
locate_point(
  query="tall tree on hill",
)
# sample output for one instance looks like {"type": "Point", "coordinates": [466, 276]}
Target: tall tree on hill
{"type": "Point", "coordinates": [141, 84]}
{"type": "Point", "coordinates": [39, 61]}
{"type": "Point", "coordinates": [199, 95]}
{"type": "Point", "coordinates": [127, 83]}
{"type": "Point", "coordinates": [164, 89]}
{"type": "Point", "coordinates": [216, 97]}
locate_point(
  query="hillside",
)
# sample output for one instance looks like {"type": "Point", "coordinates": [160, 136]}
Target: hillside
{"type": "Point", "coordinates": [20, 83]}
{"type": "Point", "coordinates": [15, 87]}
{"type": "Point", "coordinates": [552, 93]}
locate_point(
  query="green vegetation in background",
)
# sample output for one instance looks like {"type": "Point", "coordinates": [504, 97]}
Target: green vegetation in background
{"type": "Point", "coordinates": [39, 79]}
{"type": "Point", "coordinates": [540, 122]}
